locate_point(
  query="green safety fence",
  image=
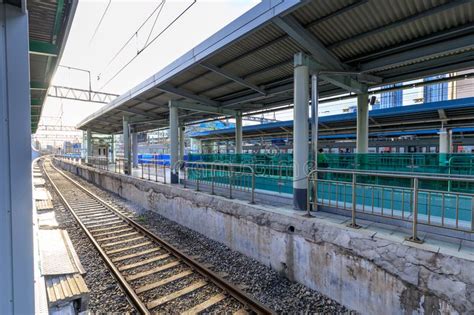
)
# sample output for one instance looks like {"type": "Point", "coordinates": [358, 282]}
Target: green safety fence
{"type": "Point", "coordinates": [275, 173]}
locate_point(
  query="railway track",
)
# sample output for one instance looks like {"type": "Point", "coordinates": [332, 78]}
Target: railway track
{"type": "Point", "coordinates": [154, 274]}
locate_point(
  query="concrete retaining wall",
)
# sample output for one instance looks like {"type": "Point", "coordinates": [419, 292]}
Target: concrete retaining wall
{"type": "Point", "coordinates": [363, 272]}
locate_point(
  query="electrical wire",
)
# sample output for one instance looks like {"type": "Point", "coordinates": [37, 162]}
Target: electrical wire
{"type": "Point", "coordinates": [100, 22]}
{"type": "Point", "coordinates": [146, 46]}
{"type": "Point", "coordinates": [154, 23]}
{"type": "Point", "coordinates": [161, 4]}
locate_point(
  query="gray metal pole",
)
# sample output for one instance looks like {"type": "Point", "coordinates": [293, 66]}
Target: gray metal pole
{"type": "Point", "coordinates": [112, 149]}
{"type": "Point", "coordinates": [135, 149]}
{"type": "Point", "coordinates": [174, 143]}
{"type": "Point", "coordinates": [314, 119]}
{"type": "Point", "coordinates": [300, 134]}
{"type": "Point", "coordinates": [238, 133]}
{"type": "Point", "coordinates": [362, 142]}
{"type": "Point", "coordinates": [126, 146]}
{"type": "Point", "coordinates": [181, 143]}
{"type": "Point", "coordinates": [89, 144]}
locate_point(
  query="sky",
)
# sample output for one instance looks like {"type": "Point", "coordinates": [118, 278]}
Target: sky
{"type": "Point", "coordinates": [123, 18]}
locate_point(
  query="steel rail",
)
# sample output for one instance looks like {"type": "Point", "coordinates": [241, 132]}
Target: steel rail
{"type": "Point", "coordinates": [139, 305]}
{"type": "Point", "coordinates": [234, 292]}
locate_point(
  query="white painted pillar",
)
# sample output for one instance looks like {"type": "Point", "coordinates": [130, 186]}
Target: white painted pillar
{"type": "Point", "coordinates": [444, 145]}
{"type": "Point", "coordinates": [135, 149]}
{"type": "Point", "coordinates": [126, 146]}
{"type": "Point", "coordinates": [182, 143]}
{"type": "Point", "coordinates": [174, 143]}
{"type": "Point", "coordinates": [314, 119]}
{"type": "Point", "coordinates": [300, 133]}
{"type": "Point", "coordinates": [16, 215]}
{"type": "Point", "coordinates": [89, 144]}
{"type": "Point", "coordinates": [443, 141]}
{"type": "Point", "coordinates": [238, 133]}
{"type": "Point", "coordinates": [362, 141]}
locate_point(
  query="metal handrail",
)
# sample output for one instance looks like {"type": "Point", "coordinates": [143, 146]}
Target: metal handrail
{"type": "Point", "coordinates": [415, 178]}
{"type": "Point", "coordinates": [426, 176]}
{"type": "Point", "coordinates": [120, 162]}
{"type": "Point", "coordinates": [102, 162]}
{"type": "Point", "coordinates": [155, 162]}
{"type": "Point", "coordinates": [231, 167]}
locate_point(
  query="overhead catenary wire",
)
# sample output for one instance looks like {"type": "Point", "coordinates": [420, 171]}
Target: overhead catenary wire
{"type": "Point", "coordinates": [100, 21]}
{"type": "Point", "coordinates": [160, 5]}
{"type": "Point", "coordinates": [154, 23]}
{"type": "Point", "coordinates": [147, 45]}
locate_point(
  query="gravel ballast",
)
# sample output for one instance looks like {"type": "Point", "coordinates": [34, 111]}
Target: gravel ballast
{"type": "Point", "coordinates": [105, 294]}
{"type": "Point", "coordinates": [256, 279]}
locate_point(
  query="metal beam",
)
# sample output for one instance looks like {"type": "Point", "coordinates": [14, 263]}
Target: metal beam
{"type": "Point", "coordinates": [36, 102]}
{"type": "Point", "coordinates": [313, 45]}
{"type": "Point", "coordinates": [345, 83]}
{"type": "Point", "coordinates": [149, 102]}
{"type": "Point", "coordinates": [426, 69]}
{"type": "Point", "coordinates": [411, 56]}
{"type": "Point", "coordinates": [404, 21]}
{"type": "Point", "coordinates": [35, 85]}
{"type": "Point", "coordinates": [233, 77]}
{"type": "Point", "coordinates": [140, 112]}
{"type": "Point", "coordinates": [187, 94]}
{"type": "Point", "coordinates": [80, 94]}
{"type": "Point", "coordinates": [203, 108]}
{"type": "Point", "coordinates": [418, 42]}
{"type": "Point", "coordinates": [254, 96]}
{"type": "Point", "coordinates": [43, 48]}
{"type": "Point", "coordinates": [442, 114]}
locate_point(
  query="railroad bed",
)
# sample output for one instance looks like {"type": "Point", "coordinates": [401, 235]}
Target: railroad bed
{"type": "Point", "coordinates": [155, 275]}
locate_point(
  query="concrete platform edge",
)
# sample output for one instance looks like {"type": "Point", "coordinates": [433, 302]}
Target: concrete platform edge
{"type": "Point", "coordinates": [369, 274]}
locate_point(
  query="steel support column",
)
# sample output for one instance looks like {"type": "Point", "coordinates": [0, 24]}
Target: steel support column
{"type": "Point", "coordinates": [126, 146]}
{"type": "Point", "coordinates": [314, 119]}
{"type": "Point", "coordinates": [135, 149]}
{"type": "Point", "coordinates": [174, 143]}
{"type": "Point", "coordinates": [238, 133]}
{"type": "Point", "coordinates": [88, 144]}
{"type": "Point", "coordinates": [181, 143]}
{"type": "Point", "coordinates": [16, 217]}
{"type": "Point", "coordinates": [444, 146]}
{"type": "Point", "coordinates": [112, 149]}
{"type": "Point", "coordinates": [300, 134]}
{"type": "Point", "coordinates": [362, 141]}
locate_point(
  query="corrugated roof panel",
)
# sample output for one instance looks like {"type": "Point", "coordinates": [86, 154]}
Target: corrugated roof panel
{"type": "Point", "coordinates": [204, 82]}
{"type": "Point", "coordinates": [41, 18]}
{"type": "Point", "coordinates": [319, 9]}
{"type": "Point", "coordinates": [225, 90]}
{"type": "Point", "coordinates": [268, 56]}
{"type": "Point", "coordinates": [37, 68]}
{"type": "Point", "coordinates": [275, 74]}
{"type": "Point", "coordinates": [259, 38]}
{"type": "Point", "coordinates": [421, 27]}
{"type": "Point", "coordinates": [191, 74]}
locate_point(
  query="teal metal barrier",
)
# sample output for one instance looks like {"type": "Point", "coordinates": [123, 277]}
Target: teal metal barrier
{"type": "Point", "coordinates": [275, 172]}
{"type": "Point", "coordinates": [413, 202]}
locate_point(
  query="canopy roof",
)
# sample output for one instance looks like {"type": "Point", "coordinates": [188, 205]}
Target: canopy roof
{"type": "Point", "coordinates": [248, 65]}
{"type": "Point", "coordinates": [49, 24]}
{"type": "Point", "coordinates": [450, 114]}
